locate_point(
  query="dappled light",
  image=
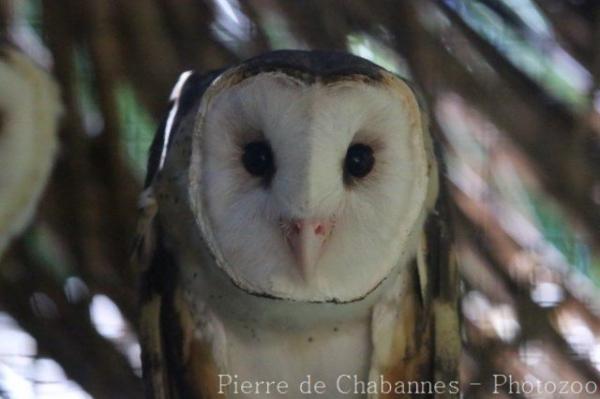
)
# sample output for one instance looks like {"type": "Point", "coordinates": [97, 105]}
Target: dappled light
{"type": "Point", "coordinates": [512, 91]}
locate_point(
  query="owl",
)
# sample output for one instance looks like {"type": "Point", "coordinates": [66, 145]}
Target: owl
{"type": "Point", "coordinates": [289, 232]}
{"type": "Point", "coordinates": [30, 109]}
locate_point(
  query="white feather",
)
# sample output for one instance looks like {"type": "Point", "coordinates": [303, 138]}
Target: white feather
{"type": "Point", "coordinates": [174, 97]}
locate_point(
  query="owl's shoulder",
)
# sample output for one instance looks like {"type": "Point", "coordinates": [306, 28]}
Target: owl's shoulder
{"type": "Point", "coordinates": [183, 101]}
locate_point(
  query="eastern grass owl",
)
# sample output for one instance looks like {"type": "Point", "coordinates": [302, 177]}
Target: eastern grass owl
{"type": "Point", "coordinates": [30, 109]}
{"type": "Point", "coordinates": [289, 230]}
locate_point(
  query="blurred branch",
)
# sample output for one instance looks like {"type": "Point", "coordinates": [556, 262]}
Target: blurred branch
{"type": "Point", "coordinates": [63, 329]}
{"type": "Point", "coordinates": [159, 41]}
{"type": "Point", "coordinates": [562, 153]}
{"type": "Point", "coordinates": [572, 31]}
{"type": "Point", "coordinates": [596, 49]}
{"type": "Point", "coordinates": [259, 42]}
{"type": "Point", "coordinates": [500, 251]}
{"type": "Point", "coordinates": [189, 25]}
{"type": "Point", "coordinates": [522, 84]}
{"type": "Point", "coordinates": [120, 188]}
{"type": "Point", "coordinates": [78, 204]}
{"type": "Point", "coordinates": [487, 365]}
{"type": "Point", "coordinates": [320, 24]}
{"type": "Point", "coordinates": [5, 12]}
{"type": "Point", "coordinates": [150, 58]}
{"type": "Point", "coordinates": [566, 127]}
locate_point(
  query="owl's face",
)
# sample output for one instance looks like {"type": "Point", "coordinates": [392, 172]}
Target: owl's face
{"type": "Point", "coordinates": [311, 191]}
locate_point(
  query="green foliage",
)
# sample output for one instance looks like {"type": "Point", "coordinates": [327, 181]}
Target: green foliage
{"type": "Point", "coordinates": [138, 128]}
{"type": "Point", "coordinates": [538, 56]}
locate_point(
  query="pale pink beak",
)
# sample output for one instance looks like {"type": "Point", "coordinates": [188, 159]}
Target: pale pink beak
{"type": "Point", "coordinates": [306, 239]}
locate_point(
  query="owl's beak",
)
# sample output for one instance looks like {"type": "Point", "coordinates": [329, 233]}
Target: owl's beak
{"type": "Point", "coordinates": [306, 239]}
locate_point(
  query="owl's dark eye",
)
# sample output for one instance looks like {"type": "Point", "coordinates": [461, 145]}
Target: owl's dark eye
{"type": "Point", "coordinates": [359, 160]}
{"type": "Point", "coordinates": [258, 159]}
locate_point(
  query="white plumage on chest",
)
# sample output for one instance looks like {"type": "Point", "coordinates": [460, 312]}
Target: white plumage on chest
{"type": "Point", "coordinates": [323, 353]}
{"type": "Point", "coordinates": [258, 339]}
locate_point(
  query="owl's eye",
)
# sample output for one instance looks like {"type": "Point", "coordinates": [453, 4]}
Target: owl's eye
{"type": "Point", "coordinates": [258, 159]}
{"type": "Point", "coordinates": [359, 160]}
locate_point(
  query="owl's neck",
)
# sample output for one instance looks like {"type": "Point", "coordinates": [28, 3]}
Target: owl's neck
{"type": "Point", "coordinates": [210, 286]}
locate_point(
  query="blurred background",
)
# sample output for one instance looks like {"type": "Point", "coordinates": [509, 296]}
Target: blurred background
{"type": "Point", "coordinates": [514, 100]}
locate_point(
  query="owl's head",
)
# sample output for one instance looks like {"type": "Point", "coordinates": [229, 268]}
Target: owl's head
{"type": "Point", "coordinates": [308, 174]}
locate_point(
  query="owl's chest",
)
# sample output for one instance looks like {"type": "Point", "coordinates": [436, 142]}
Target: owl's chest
{"type": "Point", "coordinates": [314, 362]}
{"type": "Point", "coordinates": [258, 341]}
